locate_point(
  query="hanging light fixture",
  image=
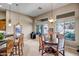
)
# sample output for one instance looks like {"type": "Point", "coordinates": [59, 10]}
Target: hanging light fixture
{"type": "Point", "coordinates": [17, 6]}
{"type": "Point", "coordinates": [51, 20]}
{"type": "Point", "coordinates": [9, 15]}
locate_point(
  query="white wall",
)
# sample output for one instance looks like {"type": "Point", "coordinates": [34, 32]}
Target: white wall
{"type": "Point", "coordinates": [25, 21]}
{"type": "Point", "coordinates": [2, 15]}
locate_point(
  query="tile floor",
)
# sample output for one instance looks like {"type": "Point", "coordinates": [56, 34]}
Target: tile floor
{"type": "Point", "coordinates": [31, 49]}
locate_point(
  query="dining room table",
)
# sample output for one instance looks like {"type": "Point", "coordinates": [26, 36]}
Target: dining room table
{"type": "Point", "coordinates": [52, 46]}
{"type": "Point", "coordinates": [50, 43]}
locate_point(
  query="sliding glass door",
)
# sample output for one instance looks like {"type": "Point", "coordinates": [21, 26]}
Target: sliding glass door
{"type": "Point", "coordinates": [66, 27]}
{"type": "Point", "coordinates": [42, 29]}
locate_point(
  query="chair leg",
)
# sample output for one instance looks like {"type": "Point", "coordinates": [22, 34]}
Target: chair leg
{"type": "Point", "coordinates": [16, 50]}
{"type": "Point", "coordinates": [12, 53]}
{"type": "Point", "coordinates": [57, 53]}
{"type": "Point", "coordinates": [42, 52]}
{"type": "Point", "coordinates": [19, 50]}
{"type": "Point", "coordinates": [39, 48]}
{"type": "Point", "coordinates": [22, 49]}
{"type": "Point", "coordinates": [63, 53]}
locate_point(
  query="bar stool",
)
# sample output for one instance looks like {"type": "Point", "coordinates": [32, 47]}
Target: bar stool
{"type": "Point", "coordinates": [8, 50]}
{"type": "Point", "coordinates": [20, 45]}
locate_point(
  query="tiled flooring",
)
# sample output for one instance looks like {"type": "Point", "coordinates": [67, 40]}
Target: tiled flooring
{"type": "Point", "coordinates": [31, 49]}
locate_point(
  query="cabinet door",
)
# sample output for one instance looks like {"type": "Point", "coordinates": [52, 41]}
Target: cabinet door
{"type": "Point", "coordinates": [2, 25]}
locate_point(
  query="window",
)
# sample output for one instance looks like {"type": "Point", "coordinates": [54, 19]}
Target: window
{"type": "Point", "coordinates": [67, 28]}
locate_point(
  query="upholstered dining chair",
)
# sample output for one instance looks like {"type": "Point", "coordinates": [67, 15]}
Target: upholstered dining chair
{"type": "Point", "coordinates": [8, 50]}
{"type": "Point", "coordinates": [42, 45]}
{"type": "Point", "coordinates": [61, 45]}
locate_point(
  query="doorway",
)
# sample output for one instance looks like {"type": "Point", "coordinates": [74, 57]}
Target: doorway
{"type": "Point", "coordinates": [42, 29]}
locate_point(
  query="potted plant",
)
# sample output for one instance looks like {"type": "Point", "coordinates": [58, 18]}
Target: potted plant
{"type": "Point", "coordinates": [1, 36]}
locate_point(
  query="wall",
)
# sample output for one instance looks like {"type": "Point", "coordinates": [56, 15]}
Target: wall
{"type": "Point", "coordinates": [25, 21]}
{"type": "Point", "coordinates": [2, 15]}
{"type": "Point", "coordinates": [61, 10]}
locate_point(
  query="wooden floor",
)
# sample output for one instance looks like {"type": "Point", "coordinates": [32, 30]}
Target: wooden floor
{"type": "Point", "coordinates": [31, 49]}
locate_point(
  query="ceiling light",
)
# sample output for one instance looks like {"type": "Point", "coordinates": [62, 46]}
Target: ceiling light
{"type": "Point", "coordinates": [51, 15]}
{"type": "Point", "coordinates": [51, 20]}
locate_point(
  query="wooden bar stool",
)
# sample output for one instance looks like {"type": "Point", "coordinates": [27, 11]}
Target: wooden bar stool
{"type": "Point", "coordinates": [20, 45]}
{"type": "Point", "coordinates": [16, 47]}
{"type": "Point", "coordinates": [8, 50]}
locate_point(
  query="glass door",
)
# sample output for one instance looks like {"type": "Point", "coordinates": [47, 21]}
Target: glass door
{"type": "Point", "coordinates": [67, 28]}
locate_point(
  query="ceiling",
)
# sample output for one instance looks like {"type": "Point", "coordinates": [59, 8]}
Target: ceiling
{"type": "Point", "coordinates": [31, 9]}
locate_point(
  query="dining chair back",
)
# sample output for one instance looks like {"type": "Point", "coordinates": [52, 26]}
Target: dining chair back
{"type": "Point", "coordinates": [42, 45]}
{"type": "Point", "coordinates": [61, 44]}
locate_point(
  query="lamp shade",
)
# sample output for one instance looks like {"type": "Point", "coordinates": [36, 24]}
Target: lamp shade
{"type": "Point", "coordinates": [51, 20]}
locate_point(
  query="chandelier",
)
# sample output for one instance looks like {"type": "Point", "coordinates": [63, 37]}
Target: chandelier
{"type": "Point", "coordinates": [51, 20]}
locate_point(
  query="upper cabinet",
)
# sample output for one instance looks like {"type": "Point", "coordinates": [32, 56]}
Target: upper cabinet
{"type": "Point", "coordinates": [2, 24]}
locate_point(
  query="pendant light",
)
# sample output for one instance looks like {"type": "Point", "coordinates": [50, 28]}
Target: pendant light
{"type": "Point", "coordinates": [9, 15]}
{"type": "Point", "coordinates": [51, 20]}
{"type": "Point", "coordinates": [17, 6]}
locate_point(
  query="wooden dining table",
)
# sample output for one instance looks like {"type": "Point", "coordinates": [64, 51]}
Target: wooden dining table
{"type": "Point", "coordinates": [50, 43]}
{"type": "Point", "coordinates": [51, 46]}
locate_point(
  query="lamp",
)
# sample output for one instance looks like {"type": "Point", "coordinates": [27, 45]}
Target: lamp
{"type": "Point", "coordinates": [9, 16]}
{"type": "Point", "coordinates": [51, 20]}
